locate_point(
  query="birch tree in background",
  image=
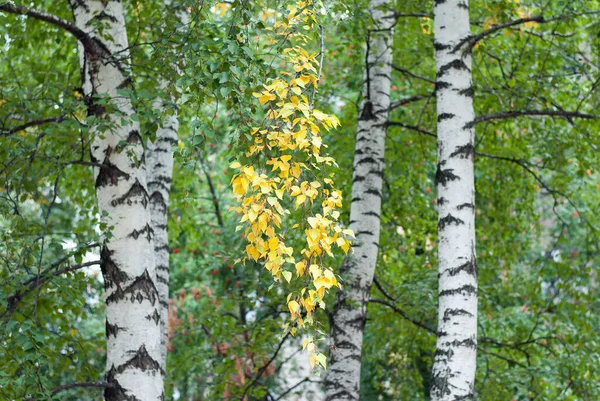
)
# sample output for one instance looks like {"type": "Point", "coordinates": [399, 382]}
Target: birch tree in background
{"type": "Point", "coordinates": [160, 175]}
{"type": "Point", "coordinates": [128, 266]}
{"type": "Point", "coordinates": [348, 319]}
{"type": "Point", "coordinates": [453, 374]}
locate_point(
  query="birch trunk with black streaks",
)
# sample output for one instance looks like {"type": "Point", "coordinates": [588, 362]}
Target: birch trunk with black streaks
{"type": "Point", "coordinates": [454, 364]}
{"type": "Point", "coordinates": [128, 267]}
{"type": "Point", "coordinates": [159, 161]}
{"type": "Point", "coordinates": [348, 319]}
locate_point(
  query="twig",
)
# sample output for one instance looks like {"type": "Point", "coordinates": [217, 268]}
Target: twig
{"type": "Point", "coordinates": [265, 366]}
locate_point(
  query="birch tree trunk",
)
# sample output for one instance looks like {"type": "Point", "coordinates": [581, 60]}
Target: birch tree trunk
{"type": "Point", "coordinates": [453, 373]}
{"type": "Point", "coordinates": [128, 267]}
{"type": "Point", "coordinates": [348, 319]}
{"type": "Point", "coordinates": [160, 173]}
{"type": "Point", "coordinates": [159, 159]}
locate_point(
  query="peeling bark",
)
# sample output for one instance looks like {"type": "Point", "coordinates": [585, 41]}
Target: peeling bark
{"type": "Point", "coordinates": [454, 365]}
{"type": "Point", "coordinates": [348, 319]}
{"type": "Point", "coordinates": [128, 267]}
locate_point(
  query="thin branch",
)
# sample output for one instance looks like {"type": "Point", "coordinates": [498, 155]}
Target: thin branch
{"type": "Point", "coordinates": [411, 74]}
{"type": "Point", "coordinates": [33, 123]}
{"type": "Point", "coordinates": [404, 102]}
{"type": "Point", "coordinates": [411, 127]}
{"type": "Point", "coordinates": [289, 390]}
{"type": "Point", "coordinates": [91, 45]}
{"type": "Point", "coordinates": [265, 366]}
{"type": "Point", "coordinates": [403, 314]}
{"type": "Point", "coordinates": [383, 291]}
{"type": "Point", "coordinates": [472, 40]}
{"type": "Point", "coordinates": [519, 113]}
{"type": "Point", "coordinates": [34, 283]}
{"type": "Point", "coordinates": [80, 384]}
{"type": "Point", "coordinates": [213, 193]}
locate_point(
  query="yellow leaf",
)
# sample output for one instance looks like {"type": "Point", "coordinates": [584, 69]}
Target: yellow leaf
{"type": "Point", "coordinates": [235, 165]}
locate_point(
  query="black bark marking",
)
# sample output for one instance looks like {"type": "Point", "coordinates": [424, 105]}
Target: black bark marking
{"type": "Point", "coordinates": [116, 392]}
{"type": "Point", "coordinates": [456, 64]}
{"type": "Point", "coordinates": [141, 288]}
{"type": "Point", "coordinates": [466, 92]}
{"type": "Point", "coordinates": [371, 213]}
{"type": "Point", "coordinates": [109, 174]}
{"type": "Point", "coordinates": [445, 176]}
{"type": "Point", "coordinates": [141, 360]}
{"type": "Point", "coordinates": [439, 384]}
{"type": "Point", "coordinates": [441, 201]}
{"type": "Point", "coordinates": [469, 267]}
{"type": "Point", "coordinates": [439, 85]}
{"type": "Point", "coordinates": [358, 178]}
{"type": "Point", "coordinates": [468, 343]}
{"type": "Point", "coordinates": [465, 206]}
{"type": "Point", "coordinates": [468, 288]}
{"type": "Point", "coordinates": [373, 191]}
{"type": "Point", "coordinates": [470, 124]}
{"type": "Point", "coordinates": [448, 313]}
{"type": "Point", "coordinates": [365, 232]}
{"type": "Point", "coordinates": [439, 46]}
{"type": "Point", "coordinates": [367, 160]}
{"type": "Point", "coordinates": [464, 152]}
{"type": "Point", "coordinates": [113, 329]}
{"type": "Point", "coordinates": [154, 316]}
{"type": "Point", "coordinates": [110, 271]}
{"type": "Point", "coordinates": [147, 230]}
{"type": "Point", "coordinates": [445, 116]}
{"type": "Point", "coordinates": [367, 112]}
{"type": "Point", "coordinates": [136, 190]}
{"type": "Point", "coordinates": [357, 199]}
{"type": "Point", "coordinates": [447, 220]}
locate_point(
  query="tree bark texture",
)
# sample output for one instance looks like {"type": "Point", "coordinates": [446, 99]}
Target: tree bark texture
{"type": "Point", "coordinates": [348, 319]}
{"type": "Point", "coordinates": [453, 373]}
{"type": "Point", "coordinates": [128, 266]}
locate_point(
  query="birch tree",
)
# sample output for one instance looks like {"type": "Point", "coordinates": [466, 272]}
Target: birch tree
{"type": "Point", "coordinates": [128, 265]}
{"type": "Point", "coordinates": [348, 319]}
{"type": "Point", "coordinates": [453, 374]}
{"type": "Point", "coordinates": [160, 177]}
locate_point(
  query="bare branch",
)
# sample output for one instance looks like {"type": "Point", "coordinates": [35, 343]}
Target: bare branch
{"type": "Point", "coordinates": [473, 39]}
{"type": "Point", "coordinates": [519, 113]}
{"type": "Point", "coordinates": [403, 314]}
{"type": "Point", "coordinates": [91, 45]}
{"type": "Point", "coordinates": [404, 102]}
{"type": "Point", "coordinates": [33, 123]}
{"type": "Point", "coordinates": [411, 74]}
{"type": "Point", "coordinates": [411, 127]}
{"type": "Point", "coordinates": [265, 366]}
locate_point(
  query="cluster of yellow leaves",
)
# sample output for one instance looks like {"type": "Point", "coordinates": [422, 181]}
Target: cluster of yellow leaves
{"type": "Point", "coordinates": [286, 150]}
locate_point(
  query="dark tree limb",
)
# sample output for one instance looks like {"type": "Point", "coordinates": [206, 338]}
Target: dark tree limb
{"type": "Point", "coordinates": [411, 74]}
{"type": "Point", "coordinates": [404, 102]}
{"type": "Point", "coordinates": [411, 127]}
{"type": "Point", "coordinates": [403, 314]}
{"type": "Point", "coordinates": [91, 45]}
{"type": "Point", "coordinates": [473, 39]}
{"type": "Point", "coordinates": [519, 113]}
{"type": "Point", "coordinates": [265, 366]}
{"type": "Point", "coordinates": [33, 123]}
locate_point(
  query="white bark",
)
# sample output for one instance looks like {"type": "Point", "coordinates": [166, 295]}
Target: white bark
{"type": "Point", "coordinates": [348, 319]}
{"type": "Point", "coordinates": [159, 160]}
{"type": "Point", "coordinates": [128, 267]}
{"type": "Point", "coordinates": [454, 365]}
